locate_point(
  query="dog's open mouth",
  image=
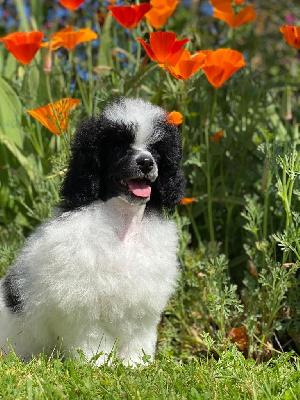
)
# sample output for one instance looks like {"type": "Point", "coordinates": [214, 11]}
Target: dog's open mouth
{"type": "Point", "coordinates": [139, 187]}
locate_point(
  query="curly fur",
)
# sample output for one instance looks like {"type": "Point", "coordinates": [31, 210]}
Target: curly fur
{"type": "Point", "coordinates": [102, 269]}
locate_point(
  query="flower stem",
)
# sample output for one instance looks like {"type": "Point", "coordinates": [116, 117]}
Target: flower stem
{"type": "Point", "coordinates": [138, 50]}
{"type": "Point", "coordinates": [208, 185]}
{"type": "Point", "coordinates": [267, 190]}
{"type": "Point", "coordinates": [184, 112]}
{"type": "Point", "coordinates": [208, 168]}
{"type": "Point", "coordinates": [91, 78]}
{"type": "Point", "coordinates": [213, 106]}
{"type": "Point", "coordinates": [71, 70]}
{"type": "Point", "coordinates": [194, 225]}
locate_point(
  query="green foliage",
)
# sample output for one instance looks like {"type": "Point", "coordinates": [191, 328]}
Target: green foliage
{"type": "Point", "coordinates": [239, 239]}
{"type": "Point", "coordinates": [208, 304]}
{"type": "Point", "coordinates": [229, 377]}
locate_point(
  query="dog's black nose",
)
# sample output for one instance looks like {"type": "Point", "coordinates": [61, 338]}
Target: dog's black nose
{"type": "Point", "coordinates": [145, 163]}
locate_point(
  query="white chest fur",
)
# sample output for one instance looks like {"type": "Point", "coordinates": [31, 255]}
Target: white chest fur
{"type": "Point", "coordinates": [91, 277]}
{"type": "Point", "coordinates": [99, 266]}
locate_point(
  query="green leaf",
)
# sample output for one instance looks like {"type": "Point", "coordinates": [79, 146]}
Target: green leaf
{"type": "Point", "coordinates": [10, 113]}
{"type": "Point", "coordinates": [104, 57]}
{"type": "Point", "coordinates": [137, 80]}
{"type": "Point", "coordinates": [10, 67]}
{"type": "Point", "coordinates": [24, 23]}
{"type": "Point", "coordinates": [13, 148]}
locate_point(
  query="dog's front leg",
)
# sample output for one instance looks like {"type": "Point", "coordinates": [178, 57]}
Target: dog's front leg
{"type": "Point", "coordinates": [139, 349]}
{"type": "Point", "coordinates": [99, 349]}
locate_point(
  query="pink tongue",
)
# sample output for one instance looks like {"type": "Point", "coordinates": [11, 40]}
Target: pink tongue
{"type": "Point", "coordinates": [139, 188]}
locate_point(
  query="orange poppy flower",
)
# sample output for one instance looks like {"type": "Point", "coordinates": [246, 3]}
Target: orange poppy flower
{"type": "Point", "coordinates": [46, 115]}
{"type": "Point", "coordinates": [217, 137]}
{"type": "Point", "coordinates": [23, 46]}
{"type": "Point", "coordinates": [69, 38]}
{"type": "Point", "coordinates": [164, 48]}
{"type": "Point", "coordinates": [291, 35]}
{"type": "Point", "coordinates": [161, 10]}
{"type": "Point", "coordinates": [175, 117]}
{"type": "Point", "coordinates": [240, 337]}
{"type": "Point", "coordinates": [129, 16]}
{"type": "Point", "coordinates": [187, 200]}
{"type": "Point", "coordinates": [238, 1]}
{"type": "Point", "coordinates": [71, 4]}
{"type": "Point", "coordinates": [221, 64]}
{"type": "Point", "coordinates": [223, 10]}
{"type": "Point", "coordinates": [187, 65]}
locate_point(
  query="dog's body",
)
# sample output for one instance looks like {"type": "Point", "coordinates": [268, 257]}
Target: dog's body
{"type": "Point", "coordinates": [103, 269]}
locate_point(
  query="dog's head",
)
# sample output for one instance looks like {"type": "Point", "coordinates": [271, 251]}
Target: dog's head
{"type": "Point", "coordinates": [131, 151]}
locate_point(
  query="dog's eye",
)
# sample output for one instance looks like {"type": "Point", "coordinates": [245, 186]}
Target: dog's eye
{"type": "Point", "coordinates": [155, 154]}
{"type": "Point", "coordinates": [119, 148]}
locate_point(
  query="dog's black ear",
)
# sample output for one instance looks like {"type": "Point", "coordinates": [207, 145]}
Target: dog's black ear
{"type": "Point", "coordinates": [84, 181]}
{"type": "Point", "coordinates": [169, 187]}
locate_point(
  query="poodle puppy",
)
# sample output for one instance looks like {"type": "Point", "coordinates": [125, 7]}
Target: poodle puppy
{"type": "Point", "coordinates": [101, 271]}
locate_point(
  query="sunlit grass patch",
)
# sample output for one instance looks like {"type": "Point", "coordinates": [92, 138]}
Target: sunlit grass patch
{"type": "Point", "coordinates": [229, 377]}
{"type": "Point", "coordinates": [236, 88]}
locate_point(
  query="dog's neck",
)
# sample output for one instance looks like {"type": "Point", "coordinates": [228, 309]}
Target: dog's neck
{"type": "Point", "coordinates": [128, 217]}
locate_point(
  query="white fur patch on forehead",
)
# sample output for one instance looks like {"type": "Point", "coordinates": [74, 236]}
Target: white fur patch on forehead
{"type": "Point", "coordinates": [138, 113]}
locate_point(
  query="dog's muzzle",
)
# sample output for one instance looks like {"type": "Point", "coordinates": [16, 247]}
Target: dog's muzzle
{"type": "Point", "coordinates": [145, 163]}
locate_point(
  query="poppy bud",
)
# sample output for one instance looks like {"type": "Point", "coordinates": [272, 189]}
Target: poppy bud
{"type": "Point", "coordinates": [286, 106]}
{"type": "Point", "coordinates": [48, 59]}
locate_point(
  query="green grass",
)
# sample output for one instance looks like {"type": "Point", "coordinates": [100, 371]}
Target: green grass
{"type": "Point", "coordinates": [229, 377]}
{"type": "Point", "coordinates": [239, 240]}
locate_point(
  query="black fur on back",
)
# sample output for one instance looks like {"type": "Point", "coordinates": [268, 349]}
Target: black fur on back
{"type": "Point", "coordinates": [11, 292]}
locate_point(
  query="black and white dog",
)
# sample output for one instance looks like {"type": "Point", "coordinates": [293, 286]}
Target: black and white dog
{"type": "Point", "coordinates": [103, 269]}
